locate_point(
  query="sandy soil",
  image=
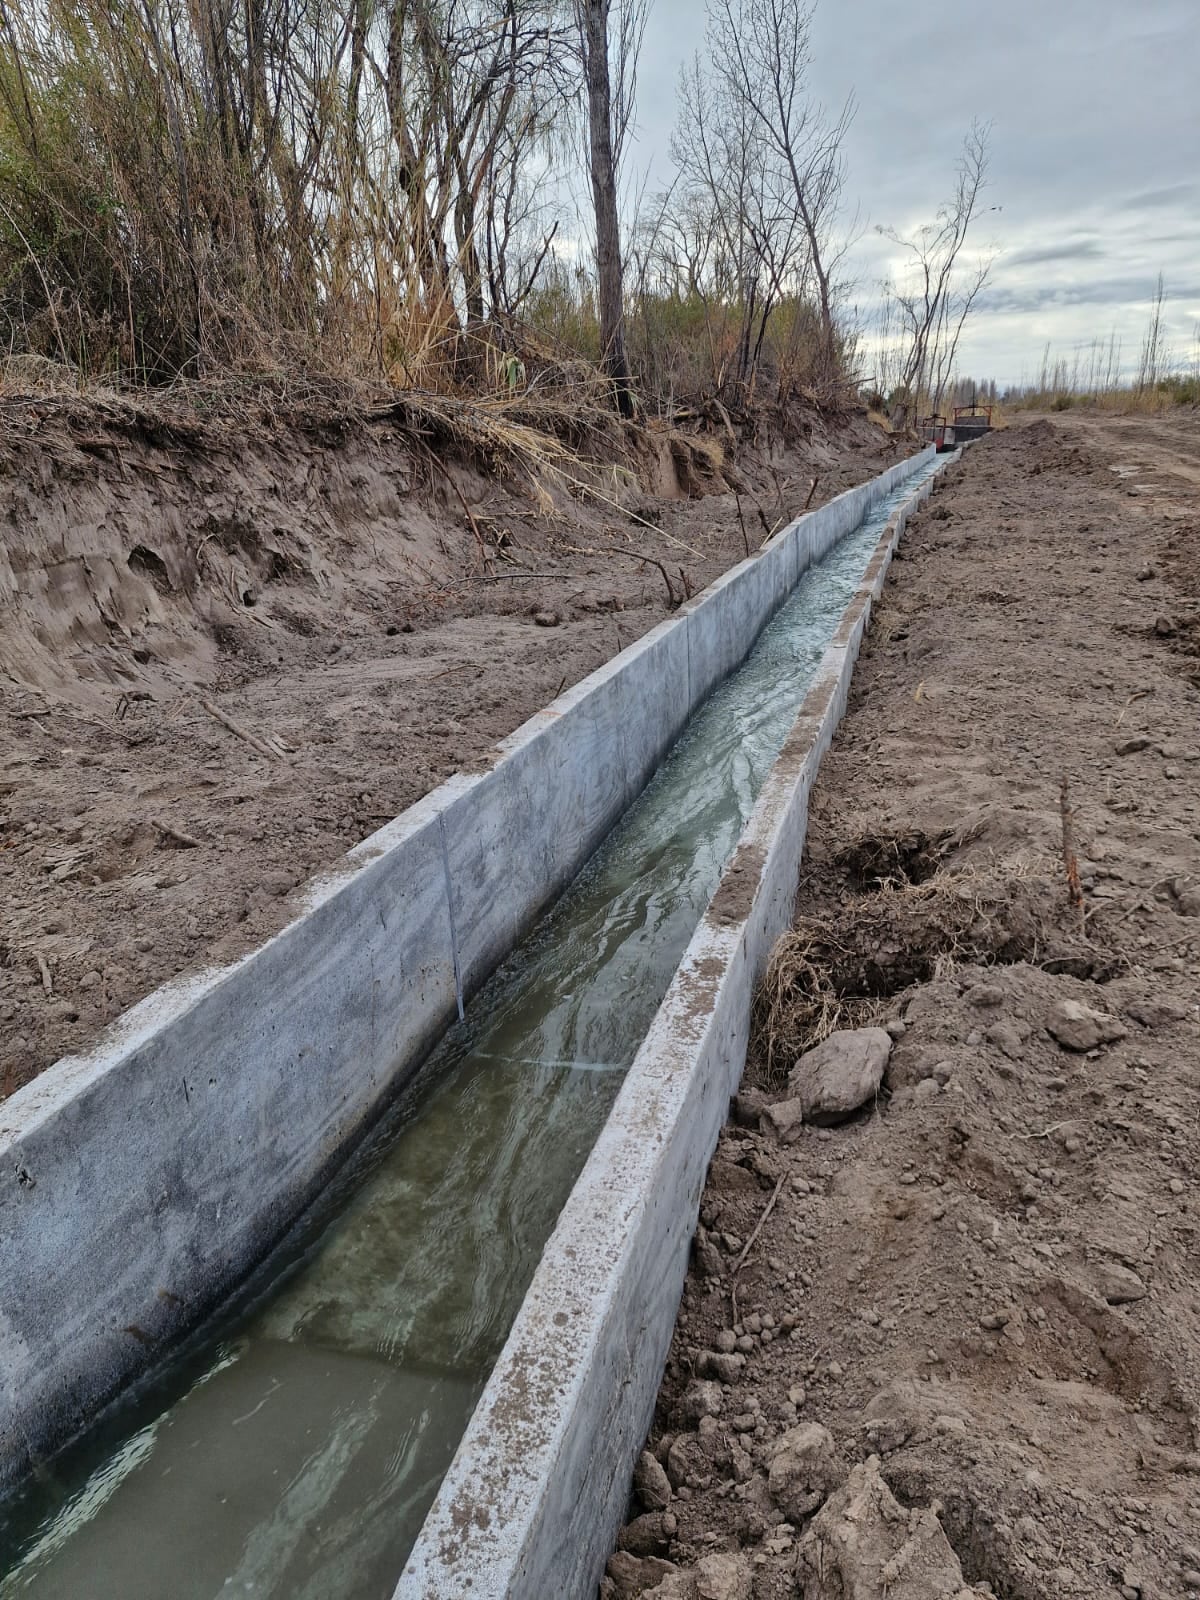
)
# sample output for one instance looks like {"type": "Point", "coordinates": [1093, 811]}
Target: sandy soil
{"type": "Point", "coordinates": [325, 590]}
{"type": "Point", "coordinates": [962, 1354]}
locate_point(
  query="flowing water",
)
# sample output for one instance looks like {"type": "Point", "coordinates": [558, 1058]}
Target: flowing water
{"type": "Point", "coordinates": [292, 1450]}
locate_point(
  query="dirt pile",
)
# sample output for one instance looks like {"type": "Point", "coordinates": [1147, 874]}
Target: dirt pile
{"type": "Point", "coordinates": [950, 1346]}
{"type": "Point", "coordinates": [226, 656]}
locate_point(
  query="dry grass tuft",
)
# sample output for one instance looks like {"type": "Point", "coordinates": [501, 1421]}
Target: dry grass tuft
{"type": "Point", "coordinates": [498, 434]}
{"type": "Point", "coordinates": [827, 972]}
{"type": "Point", "coordinates": [796, 1005]}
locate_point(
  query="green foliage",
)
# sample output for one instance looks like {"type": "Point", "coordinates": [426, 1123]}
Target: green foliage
{"type": "Point", "coordinates": [692, 346]}
{"type": "Point", "coordinates": [562, 309]}
{"type": "Point", "coordinates": [1181, 391]}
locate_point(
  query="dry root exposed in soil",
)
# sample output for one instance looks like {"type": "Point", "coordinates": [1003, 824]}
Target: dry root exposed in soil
{"type": "Point", "coordinates": [920, 918]}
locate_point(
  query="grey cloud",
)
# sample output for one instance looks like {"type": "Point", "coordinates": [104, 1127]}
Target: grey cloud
{"type": "Point", "coordinates": [1111, 292]}
{"type": "Point", "coordinates": [1094, 165]}
{"type": "Point", "coordinates": [1188, 236]}
{"type": "Point", "coordinates": [1079, 250]}
{"type": "Point", "coordinates": [1177, 194]}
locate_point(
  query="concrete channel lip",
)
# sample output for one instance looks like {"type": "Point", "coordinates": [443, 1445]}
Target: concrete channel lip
{"type": "Point", "coordinates": [114, 1170]}
{"type": "Point", "coordinates": [533, 1499]}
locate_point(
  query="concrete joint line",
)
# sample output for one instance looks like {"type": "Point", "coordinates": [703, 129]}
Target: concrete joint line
{"type": "Point", "coordinates": [687, 634]}
{"type": "Point", "coordinates": [458, 984]}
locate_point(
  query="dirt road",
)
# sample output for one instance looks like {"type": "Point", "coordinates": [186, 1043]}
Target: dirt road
{"type": "Point", "coordinates": [1155, 455]}
{"type": "Point", "coordinates": [963, 1354]}
{"type": "Point", "coordinates": [331, 599]}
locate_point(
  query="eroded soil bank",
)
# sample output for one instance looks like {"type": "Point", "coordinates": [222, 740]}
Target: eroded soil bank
{"type": "Point", "coordinates": [372, 613]}
{"type": "Point", "coordinates": [952, 1346]}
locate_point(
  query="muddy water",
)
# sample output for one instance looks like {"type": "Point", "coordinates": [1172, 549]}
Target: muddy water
{"type": "Point", "coordinates": [293, 1451]}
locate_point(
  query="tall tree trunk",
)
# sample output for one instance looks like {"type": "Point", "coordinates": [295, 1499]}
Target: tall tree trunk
{"type": "Point", "coordinates": [424, 236]}
{"type": "Point", "coordinates": [829, 360]}
{"type": "Point", "coordinates": [594, 19]}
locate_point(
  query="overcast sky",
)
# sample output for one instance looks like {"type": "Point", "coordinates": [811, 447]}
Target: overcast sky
{"type": "Point", "coordinates": [1095, 151]}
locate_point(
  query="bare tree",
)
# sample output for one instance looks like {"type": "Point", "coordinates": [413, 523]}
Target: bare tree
{"type": "Point", "coordinates": [732, 204]}
{"type": "Point", "coordinates": [956, 310]}
{"type": "Point", "coordinates": [472, 85]}
{"type": "Point", "coordinates": [749, 227]}
{"type": "Point", "coordinates": [928, 308]}
{"type": "Point", "coordinates": [762, 50]}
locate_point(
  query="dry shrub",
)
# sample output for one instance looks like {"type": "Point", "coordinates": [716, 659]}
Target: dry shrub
{"type": "Point", "coordinates": [192, 191]}
{"type": "Point", "coordinates": [498, 434]}
{"type": "Point", "coordinates": [189, 188]}
{"type": "Point", "coordinates": [1149, 400]}
{"type": "Point", "coordinates": [796, 1005]}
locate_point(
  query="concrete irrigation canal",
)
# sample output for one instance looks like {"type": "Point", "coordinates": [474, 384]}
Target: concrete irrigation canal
{"type": "Point", "coordinates": [295, 1443]}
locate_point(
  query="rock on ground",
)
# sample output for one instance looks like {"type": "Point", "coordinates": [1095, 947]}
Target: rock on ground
{"type": "Point", "coordinates": [1081, 1027]}
{"type": "Point", "coordinates": [804, 1469]}
{"type": "Point", "coordinates": [840, 1074]}
{"type": "Point", "coordinates": [723, 1577]}
{"type": "Point", "coordinates": [784, 1119]}
{"type": "Point", "coordinates": [863, 1545]}
{"type": "Point", "coordinates": [650, 1483]}
{"type": "Point", "coordinates": [704, 1398]}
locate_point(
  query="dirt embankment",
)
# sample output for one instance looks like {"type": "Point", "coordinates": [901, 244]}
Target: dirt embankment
{"type": "Point", "coordinates": [372, 613]}
{"type": "Point", "coordinates": [962, 1354]}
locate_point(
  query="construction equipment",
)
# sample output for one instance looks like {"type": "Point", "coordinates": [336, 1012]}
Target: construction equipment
{"type": "Point", "coordinates": [968, 424]}
{"type": "Point", "coordinates": [934, 430]}
{"type": "Point", "coordinates": [971, 422]}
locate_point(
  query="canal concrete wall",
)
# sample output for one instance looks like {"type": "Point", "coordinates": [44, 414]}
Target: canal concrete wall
{"type": "Point", "coordinates": [140, 1182]}
{"type": "Point", "coordinates": [540, 1484]}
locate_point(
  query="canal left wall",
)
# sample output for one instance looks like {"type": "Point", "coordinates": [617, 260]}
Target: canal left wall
{"type": "Point", "coordinates": [141, 1182]}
